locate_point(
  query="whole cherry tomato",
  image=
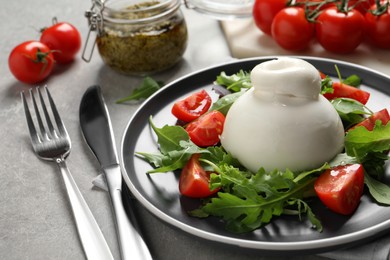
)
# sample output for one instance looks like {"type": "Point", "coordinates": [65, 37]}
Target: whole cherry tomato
{"type": "Point", "coordinates": [340, 188]}
{"type": "Point", "coordinates": [292, 30]}
{"type": "Point", "coordinates": [361, 5]}
{"type": "Point", "coordinates": [31, 62]}
{"type": "Point", "coordinates": [264, 12]}
{"type": "Point", "coordinates": [192, 106]}
{"type": "Point", "coordinates": [314, 4]}
{"type": "Point", "coordinates": [378, 25]}
{"type": "Point", "coordinates": [340, 32]}
{"type": "Point", "coordinates": [63, 39]}
{"type": "Point", "coordinates": [194, 180]}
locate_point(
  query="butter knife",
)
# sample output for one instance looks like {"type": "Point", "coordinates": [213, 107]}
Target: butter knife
{"type": "Point", "coordinates": [97, 130]}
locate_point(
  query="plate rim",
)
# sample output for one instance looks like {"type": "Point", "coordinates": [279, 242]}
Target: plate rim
{"type": "Point", "coordinates": [326, 244]}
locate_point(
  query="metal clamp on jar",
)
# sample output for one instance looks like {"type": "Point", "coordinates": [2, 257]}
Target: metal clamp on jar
{"type": "Point", "coordinates": [137, 37]}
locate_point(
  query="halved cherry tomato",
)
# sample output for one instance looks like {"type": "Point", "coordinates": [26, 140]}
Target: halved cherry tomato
{"type": "Point", "coordinates": [194, 180]}
{"type": "Point", "coordinates": [369, 123]}
{"type": "Point", "coordinates": [340, 188]}
{"type": "Point", "coordinates": [205, 130]}
{"type": "Point", "coordinates": [192, 106]}
{"type": "Point", "coordinates": [343, 90]}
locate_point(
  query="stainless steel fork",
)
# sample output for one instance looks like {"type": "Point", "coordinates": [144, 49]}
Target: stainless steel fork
{"type": "Point", "coordinates": [51, 142]}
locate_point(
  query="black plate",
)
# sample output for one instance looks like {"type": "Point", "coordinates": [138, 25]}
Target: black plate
{"type": "Point", "coordinates": [285, 235]}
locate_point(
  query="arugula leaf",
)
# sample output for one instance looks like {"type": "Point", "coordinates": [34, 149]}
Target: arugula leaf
{"type": "Point", "coordinates": [374, 164]}
{"type": "Point", "coordinates": [326, 85]}
{"type": "Point", "coordinates": [169, 137]}
{"type": "Point", "coordinates": [342, 159]}
{"type": "Point", "coordinates": [379, 191]}
{"type": "Point", "coordinates": [350, 111]}
{"type": "Point", "coordinates": [249, 201]}
{"type": "Point", "coordinates": [359, 142]}
{"type": "Point", "coordinates": [147, 88]}
{"type": "Point", "coordinates": [224, 103]}
{"type": "Point", "coordinates": [175, 149]}
{"type": "Point", "coordinates": [235, 82]}
{"type": "Point", "coordinates": [353, 80]}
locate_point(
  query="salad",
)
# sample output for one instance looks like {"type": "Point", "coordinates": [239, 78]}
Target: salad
{"type": "Point", "coordinates": [247, 200]}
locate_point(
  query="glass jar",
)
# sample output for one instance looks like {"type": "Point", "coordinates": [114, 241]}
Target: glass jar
{"type": "Point", "coordinates": [139, 37]}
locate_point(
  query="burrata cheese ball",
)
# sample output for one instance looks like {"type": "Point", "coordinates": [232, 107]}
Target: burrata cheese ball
{"type": "Point", "coordinates": [283, 122]}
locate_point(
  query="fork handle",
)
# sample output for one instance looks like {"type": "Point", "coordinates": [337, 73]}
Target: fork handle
{"type": "Point", "coordinates": [94, 244]}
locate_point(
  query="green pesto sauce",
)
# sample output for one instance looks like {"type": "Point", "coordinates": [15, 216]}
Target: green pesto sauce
{"type": "Point", "coordinates": [142, 50]}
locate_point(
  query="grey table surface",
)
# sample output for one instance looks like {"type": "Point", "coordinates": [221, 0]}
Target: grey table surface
{"type": "Point", "coordinates": [35, 216]}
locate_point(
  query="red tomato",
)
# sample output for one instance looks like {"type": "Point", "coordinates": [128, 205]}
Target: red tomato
{"type": "Point", "coordinates": [264, 12]}
{"type": "Point", "coordinates": [291, 30]}
{"type": "Point", "coordinates": [361, 5]}
{"type": "Point", "coordinates": [313, 4]}
{"type": "Point", "coordinates": [340, 188]}
{"type": "Point", "coordinates": [205, 130]}
{"type": "Point", "coordinates": [192, 106]}
{"type": "Point", "coordinates": [369, 123]}
{"type": "Point", "coordinates": [340, 32]}
{"type": "Point", "coordinates": [194, 180]}
{"type": "Point", "coordinates": [378, 28]}
{"type": "Point", "coordinates": [31, 62]}
{"type": "Point", "coordinates": [64, 39]}
{"type": "Point", "coordinates": [341, 90]}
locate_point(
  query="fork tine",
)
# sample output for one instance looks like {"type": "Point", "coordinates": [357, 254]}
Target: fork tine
{"type": "Point", "coordinates": [57, 118]}
{"type": "Point", "coordinates": [44, 133]}
{"type": "Point", "coordinates": [48, 119]}
{"type": "Point", "coordinates": [31, 127]}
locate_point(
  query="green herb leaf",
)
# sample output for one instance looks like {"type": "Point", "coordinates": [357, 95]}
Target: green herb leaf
{"type": "Point", "coordinates": [326, 85]}
{"type": "Point", "coordinates": [378, 190]}
{"type": "Point", "coordinates": [359, 142]}
{"type": "Point", "coordinates": [235, 82]}
{"type": "Point", "coordinates": [350, 111]}
{"type": "Point", "coordinates": [169, 137]}
{"type": "Point", "coordinates": [353, 80]}
{"type": "Point", "coordinates": [147, 88]}
{"type": "Point", "coordinates": [223, 104]}
{"type": "Point", "coordinates": [249, 201]}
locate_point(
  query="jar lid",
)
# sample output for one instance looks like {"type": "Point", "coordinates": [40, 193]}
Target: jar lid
{"type": "Point", "coordinates": [222, 9]}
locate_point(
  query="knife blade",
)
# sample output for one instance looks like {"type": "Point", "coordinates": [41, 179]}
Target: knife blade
{"type": "Point", "coordinates": [97, 131]}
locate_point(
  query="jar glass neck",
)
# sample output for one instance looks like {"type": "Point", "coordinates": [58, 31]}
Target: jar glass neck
{"type": "Point", "coordinates": [132, 11]}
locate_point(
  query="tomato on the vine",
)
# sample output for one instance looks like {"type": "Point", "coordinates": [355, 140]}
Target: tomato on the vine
{"type": "Point", "coordinates": [340, 188]}
{"type": "Point", "coordinates": [378, 25]}
{"type": "Point", "coordinates": [194, 180]}
{"type": "Point", "coordinates": [31, 62]}
{"type": "Point", "coordinates": [192, 106]}
{"type": "Point", "coordinates": [206, 130]}
{"type": "Point", "coordinates": [292, 30]}
{"type": "Point", "coordinates": [340, 32]}
{"type": "Point", "coordinates": [63, 39]}
{"type": "Point", "coordinates": [361, 5]}
{"type": "Point", "coordinates": [264, 12]}
{"type": "Point", "coordinates": [314, 4]}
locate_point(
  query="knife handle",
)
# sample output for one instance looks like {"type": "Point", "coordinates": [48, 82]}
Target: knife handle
{"type": "Point", "coordinates": [132, 245]}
